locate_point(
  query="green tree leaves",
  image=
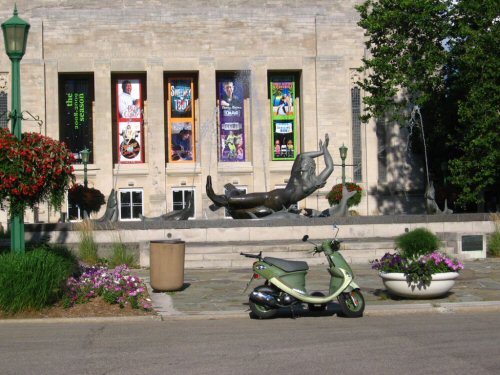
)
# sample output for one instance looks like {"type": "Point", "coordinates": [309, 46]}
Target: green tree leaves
{"type": "Point", "coordinates": [443, 56]}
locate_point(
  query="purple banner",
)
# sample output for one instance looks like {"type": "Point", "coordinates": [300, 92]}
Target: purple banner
{"type": "Point", "coordinates": [231, 114]}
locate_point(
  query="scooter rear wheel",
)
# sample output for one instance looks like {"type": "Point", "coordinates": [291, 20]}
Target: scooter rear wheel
{"type": "Point", "coordinates": [262, 311]}
{"type": "Point", "coordinates": [352, 304]}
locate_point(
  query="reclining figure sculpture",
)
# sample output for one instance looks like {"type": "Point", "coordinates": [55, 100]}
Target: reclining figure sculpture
{"type": "Point", "coordinates": [302, 183]}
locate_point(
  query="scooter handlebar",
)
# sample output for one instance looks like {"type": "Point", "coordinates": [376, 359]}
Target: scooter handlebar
{"type": "Point", "coordinates": [317, 249]}
{"type": "Point", "coordinates": [259, 256]}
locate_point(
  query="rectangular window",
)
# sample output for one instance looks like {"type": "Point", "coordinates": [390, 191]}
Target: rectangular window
{"type": "Point", "coordinates": [381, 150]}
{"type": "Point", "coordinates": [3, 110]}
{"type": "Point", "coordinates": [181, 199]}
{"type": "Point", "coordinates": [356, 133]}
{"type": "Point", "coordinates": [232, 91]}
{"type": "Point", "coordinates": [74, 212]}
{"type": "Point", "coordinates": [284, 118]}
{"type": "Point", "coordinates": [76, 95]}
{"type": "Point", "coordinates": [129, 99]}
{"type": "Point", "coordinates": [131, 204]}
{"type": "Point", "coordinates": [181, 123]}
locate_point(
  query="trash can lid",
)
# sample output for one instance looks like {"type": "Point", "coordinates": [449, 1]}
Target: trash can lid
{"type": "Point", "coordinates": [172, 241]}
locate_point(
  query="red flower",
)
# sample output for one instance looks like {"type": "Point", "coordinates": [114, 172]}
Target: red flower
{"type": "Point", "coordinates": [33, 169]}
{"type": "Point", "coordinates": [335, 195]}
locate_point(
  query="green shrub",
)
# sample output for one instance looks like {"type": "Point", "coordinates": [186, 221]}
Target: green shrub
{"type": "Point", "coordinates": [121, 256]}
{"type": "Point", "coordinates": [494, 244]}
{"type": "Point", "coordinates": [87, 247]}
{"type": "Point", "coordinates": [494, 240]}
{"type": "Point", "coordinates": [35, 279]}
{"type": "Point", "coordinates": [417, 242]}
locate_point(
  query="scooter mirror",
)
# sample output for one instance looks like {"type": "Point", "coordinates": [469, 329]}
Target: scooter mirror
{"type": "Point", "coordinates": [305, 238]}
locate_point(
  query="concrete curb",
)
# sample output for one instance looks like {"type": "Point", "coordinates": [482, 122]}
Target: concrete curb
{"type": "Point", "coordinates": [371, 310]}
{"type": "Point", "coordinates": [102, 319]}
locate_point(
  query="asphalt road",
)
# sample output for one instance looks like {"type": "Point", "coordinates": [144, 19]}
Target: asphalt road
{"type": "Point", "coordinates": [459, 343]}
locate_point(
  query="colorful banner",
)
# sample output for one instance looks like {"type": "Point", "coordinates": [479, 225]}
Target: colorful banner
{"type": "Point", "coordinates": [181, 141]}
{"type": "Point", "coordinates": [130, 120]}
{"type": "Point", "coordinates": [283, 139]}
{"type": "Point", "coordinates": [283, 99]}
{"type": "Point", "coordinates": [130, 144]}
{"type": "Point", "coordinates": [181, 120]}
{"type": "Point", "coordinates": [283, 118]}
{"type": "Point", "coordinates": [181, 98]}
{"type": "Point", "coordinates": [76, 114]}
{"type": "Point", "coordinates": [231, 115]}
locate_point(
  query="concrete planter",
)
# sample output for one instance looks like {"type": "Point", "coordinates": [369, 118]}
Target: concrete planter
{"type": "Point", "coordinates": [440, 285]}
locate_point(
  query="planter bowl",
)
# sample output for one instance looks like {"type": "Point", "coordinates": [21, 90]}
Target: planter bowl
{"type": "Point", "coordinates": [440, 285]}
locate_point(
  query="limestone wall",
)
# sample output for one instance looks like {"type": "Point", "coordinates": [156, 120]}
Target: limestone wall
{"type": "Point", "coordinates": [318, 39]}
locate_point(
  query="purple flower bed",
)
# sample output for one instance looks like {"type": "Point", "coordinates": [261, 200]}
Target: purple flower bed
{"type": "Point", "coordinates": [116, 287]}
{"type": "Point", "coordinates": [420, 270]}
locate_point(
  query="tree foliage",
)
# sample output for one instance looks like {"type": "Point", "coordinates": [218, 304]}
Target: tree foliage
{"type": "Point", "coordinates": [442, 56]}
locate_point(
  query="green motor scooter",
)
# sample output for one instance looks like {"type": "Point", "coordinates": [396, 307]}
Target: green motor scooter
{"type": "Point", "coordinates": [285, 283]}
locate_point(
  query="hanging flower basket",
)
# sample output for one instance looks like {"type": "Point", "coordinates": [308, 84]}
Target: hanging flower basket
{"type": "Point", "coordinates": [335, 195]}
{"type": "Point", "coordinates": [32, 170]}
{"type": "Point", "coordinates": [88, 199]}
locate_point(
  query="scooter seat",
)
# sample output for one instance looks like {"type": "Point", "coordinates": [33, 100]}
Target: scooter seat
{"type": "Point", "coordinates": [287, 265]}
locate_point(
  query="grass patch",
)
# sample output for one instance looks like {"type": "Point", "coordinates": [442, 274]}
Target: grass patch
{"type": "Point", "coordinates": [87, 247]}
{"type": "Point", "coordinates": [121, 255]}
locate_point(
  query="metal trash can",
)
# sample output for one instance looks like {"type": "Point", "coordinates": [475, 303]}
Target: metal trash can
{"type": "Point", "coordinates": [167, 264]}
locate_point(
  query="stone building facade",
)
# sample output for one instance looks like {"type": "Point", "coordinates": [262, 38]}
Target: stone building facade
{"type": "Point", "coordinates": [315, 45]}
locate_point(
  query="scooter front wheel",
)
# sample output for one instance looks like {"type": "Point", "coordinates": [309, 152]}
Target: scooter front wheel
{"type": "Point", "coordinates": [352, 304]}
{"type": "Point", "coordinates": [262, 311]}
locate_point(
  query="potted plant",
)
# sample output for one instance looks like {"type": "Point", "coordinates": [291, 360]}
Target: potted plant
{"type": "Point", "coordinates": [88, 199]}
{"type": "Point", "coordinates": [418, 269]}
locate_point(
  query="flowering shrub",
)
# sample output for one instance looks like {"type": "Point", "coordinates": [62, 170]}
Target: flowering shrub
{"type": "Point", "coordinates": [116, 287]}
{"type": "Point", "coordinates": [335, 195]}
{"type": "Point", "coordinates": [88, 199]}
{"type": "Point", "coordinates": [420, 270]}
{"type": "Point", "coordinates": [32, 170]}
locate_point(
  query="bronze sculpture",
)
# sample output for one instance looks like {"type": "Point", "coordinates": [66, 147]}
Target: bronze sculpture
{"type": "Point", "coordinates": [183, 214]}
{"type": "Point", "coordinates": [302, 183]}
{"type": "Point", "coordinates": [111, 213]}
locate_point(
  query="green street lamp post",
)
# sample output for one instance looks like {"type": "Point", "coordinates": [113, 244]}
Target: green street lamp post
{"type": "Point", "coordinates": [15, 33]}
{"type": "Point", "coordinates": [85, 154]}
{"type": "Point", "coordinates": [343, 156]}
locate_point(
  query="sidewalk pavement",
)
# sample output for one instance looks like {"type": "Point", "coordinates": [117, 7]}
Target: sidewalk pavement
{"type": "Point", "coordinates": [218, 293]}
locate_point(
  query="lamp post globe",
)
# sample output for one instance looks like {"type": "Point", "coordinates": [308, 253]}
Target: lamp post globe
{"type": "Point", "coordinates": [85, 154]}
{"type": "Point", "coordinates": [15, 32]}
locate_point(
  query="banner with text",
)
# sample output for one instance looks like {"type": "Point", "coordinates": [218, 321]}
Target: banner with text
{"type": "Point", "coordinates": [130, 121]}
{"type": "Point", "coordinates": [283, 118]}
{"type": "Point", "coordinates": [76, 114]}
{"type": "Point", "coordinates": [181, 120]}
{"type": "Point", "coordinates": [231, 116]}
